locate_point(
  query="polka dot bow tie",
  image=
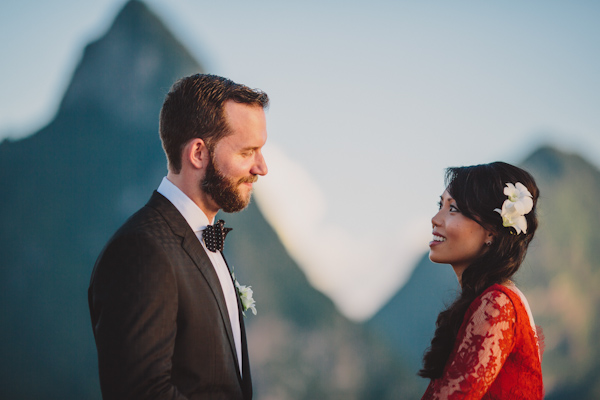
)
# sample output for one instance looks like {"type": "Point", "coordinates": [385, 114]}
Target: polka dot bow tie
{"type": "Point", "coordinates": [214, 236]}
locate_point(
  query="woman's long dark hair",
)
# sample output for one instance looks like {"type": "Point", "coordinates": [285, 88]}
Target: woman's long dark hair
{"type": "Point", "coordinates": [478, 190]}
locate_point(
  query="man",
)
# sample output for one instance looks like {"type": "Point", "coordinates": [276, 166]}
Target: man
{"type": "Point", "coordinates": [164, 308]}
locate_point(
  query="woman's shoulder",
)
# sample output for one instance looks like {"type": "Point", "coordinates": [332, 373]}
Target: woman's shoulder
{"type": "Point", "coordinates": [502, 292]}
{"type": "Point", "coordinates": [491, 315]}
{"type": "Point", "coordinates": [507, 301]}
{"type": "Point", "coordinates": [496, 292]}
{"type": "Point", "coordinates": [494, 300]}
{"type": "Point", "coordinates": [496, 287]}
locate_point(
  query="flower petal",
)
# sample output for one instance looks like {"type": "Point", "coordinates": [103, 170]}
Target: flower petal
{"type": "Point", "coordinates": [520, 224]}
{"type": "Point", "coordinates": [509, 208]}
{"type": "Point", "coordinates": [527, 204]}
{"type": "Point", "coordinates": [523, 191]}
{"type": "Point", "coordinates": [510, 190]}
{"type": "Point", "coordinates": [519, 207]}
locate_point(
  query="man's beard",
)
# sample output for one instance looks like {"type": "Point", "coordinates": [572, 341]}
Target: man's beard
{"type": "Point", "coordinates": [224, 191]}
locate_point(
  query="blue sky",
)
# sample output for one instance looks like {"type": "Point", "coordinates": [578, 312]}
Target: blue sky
{"type": "Point", "coordinates": [370, 102]}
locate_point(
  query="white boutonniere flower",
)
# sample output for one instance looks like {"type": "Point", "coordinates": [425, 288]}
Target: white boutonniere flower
{"type": "Point", "coordinates": [514, 209]}
{"type": "Point", "coordinates": [245, 293]}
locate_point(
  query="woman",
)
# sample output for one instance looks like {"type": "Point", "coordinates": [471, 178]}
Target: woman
{"type": "Point", "coordinates": [485, 344]}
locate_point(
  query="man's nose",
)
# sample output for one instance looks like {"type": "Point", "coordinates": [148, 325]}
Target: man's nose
{"type": "Point", "coordinates": [260, 167]}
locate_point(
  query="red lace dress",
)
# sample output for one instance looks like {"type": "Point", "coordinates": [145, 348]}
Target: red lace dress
{"type": "Point", "coordinates": [497, 353]}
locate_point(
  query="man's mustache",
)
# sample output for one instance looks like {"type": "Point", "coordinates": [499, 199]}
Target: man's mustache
{"type": "Point", "coordinates": [248, 179]}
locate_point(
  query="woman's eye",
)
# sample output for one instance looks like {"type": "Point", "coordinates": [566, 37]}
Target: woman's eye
{"type": "Point", "coordinates": [439, 205]}
{"type": "Point", "coordinates": [453, 208]}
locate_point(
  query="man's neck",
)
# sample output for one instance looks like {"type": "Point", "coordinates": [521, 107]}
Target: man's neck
{"type": "Point", "coordinates": [193, 190]}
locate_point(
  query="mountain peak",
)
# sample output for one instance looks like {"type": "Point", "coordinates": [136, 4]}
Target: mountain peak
{"type": "Point", "coordinates": [555, 162]}
{"type": "Point", "coordinates": [118, 73]}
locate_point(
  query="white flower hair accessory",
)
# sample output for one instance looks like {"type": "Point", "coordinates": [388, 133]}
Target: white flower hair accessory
{"type": "Point", "coordinates": [514, 209]}
{"type": "Point", "coordinates": [245, 293]}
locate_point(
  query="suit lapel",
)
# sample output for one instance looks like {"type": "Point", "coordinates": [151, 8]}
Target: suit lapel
{"type": "Point", "coordinates": [192, 246]}
{"type": "Point", "coordinates": [246, 382]}
{"type": "Point", "coordinates": [194, 249]}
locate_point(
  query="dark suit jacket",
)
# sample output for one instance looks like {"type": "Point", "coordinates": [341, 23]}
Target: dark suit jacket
{"type": "Point", "coordinates": [159, 316]}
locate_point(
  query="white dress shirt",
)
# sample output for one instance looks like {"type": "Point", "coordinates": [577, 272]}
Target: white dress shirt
{"type": "Point", "coordinates": [197, 220]}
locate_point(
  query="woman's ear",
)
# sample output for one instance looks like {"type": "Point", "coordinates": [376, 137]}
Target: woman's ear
{"type": "Point", "coordinates": [489, 239]}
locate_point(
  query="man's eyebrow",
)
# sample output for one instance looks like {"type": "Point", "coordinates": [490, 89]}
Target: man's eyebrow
{"type": "Point", "coordinates": [250, 148]}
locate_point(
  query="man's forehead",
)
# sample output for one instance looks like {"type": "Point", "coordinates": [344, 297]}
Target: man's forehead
{"type": "Point", "coordinates": [233, 109]}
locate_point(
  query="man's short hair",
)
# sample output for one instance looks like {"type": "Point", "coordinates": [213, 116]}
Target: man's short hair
{"type": "Point", "coordinates": [193, 108]}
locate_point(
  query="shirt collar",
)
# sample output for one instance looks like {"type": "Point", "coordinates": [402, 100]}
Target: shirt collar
{"type": "Point", "coordinates": [193, 214]}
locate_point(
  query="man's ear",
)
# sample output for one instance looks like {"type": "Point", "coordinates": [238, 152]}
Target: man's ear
{"type": "Point", "coordinates": [195, 153]}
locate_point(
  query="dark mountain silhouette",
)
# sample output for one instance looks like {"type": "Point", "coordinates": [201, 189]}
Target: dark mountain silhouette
{"type": "Point", "coordinates": [407, 321]}
{"type": "Point", "coordinates": [69, 186]}
{"type": "Point", "coordinates": [562, 274]}
{"type": "Point", "coordinates": [65, 189]}
{"type": "Point", "coordinates": [560, 277]}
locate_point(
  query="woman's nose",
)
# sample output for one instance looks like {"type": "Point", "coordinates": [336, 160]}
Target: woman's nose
{"type": "Point", "coordinates": [436, 219]}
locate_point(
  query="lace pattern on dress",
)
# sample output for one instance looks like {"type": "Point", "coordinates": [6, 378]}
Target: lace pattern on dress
{"type": "Point", "coordinates": [496, 355]}
{"type": "Point", "coordinates": [487, 341]}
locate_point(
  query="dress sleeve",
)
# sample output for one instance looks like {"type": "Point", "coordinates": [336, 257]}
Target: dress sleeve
{"type": "Point", "coordinates": [483, 346]}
